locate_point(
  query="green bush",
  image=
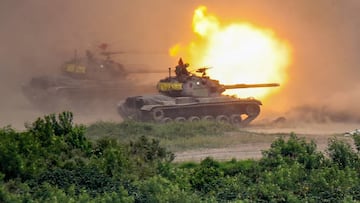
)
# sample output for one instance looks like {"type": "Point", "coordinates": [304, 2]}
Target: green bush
{"type": "Point", "coordinates": [53, 161]}
{"type": "Point", "coordinates": [49, 128]}
{"type": "Point", "coordinates": [48, 143]}
{"type": "Point", "coordinates": [207, 176]}
{"type": "Point", "coordinates": [332, 184]}
{"type": "Point", "coordinates": [356, 138]}
{"type": "Point", "coordinates": [294, 150]}
{"type": "Point", "coordinates": [159, 189]}
{"type": "Point", "coordinates": [84, 178]}
{"type": "Point", "coordinates": [148, 155]}
{"type": "Point", "coordinates": [111, 158]}
{"type": "Point", "coordinates": [342, 155]}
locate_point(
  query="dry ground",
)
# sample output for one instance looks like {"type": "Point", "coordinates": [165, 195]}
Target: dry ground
{"type": "Point", "coordinates": [251, 141]}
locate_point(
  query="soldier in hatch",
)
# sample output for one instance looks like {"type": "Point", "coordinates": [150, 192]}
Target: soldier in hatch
{"type": "Point", "coordinates": [181, 70]}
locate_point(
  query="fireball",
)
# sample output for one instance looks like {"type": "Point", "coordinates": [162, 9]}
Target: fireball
{"type": "Point", "coordinates": [238, 52]}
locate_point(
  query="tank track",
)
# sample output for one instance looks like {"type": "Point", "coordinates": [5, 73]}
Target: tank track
{"type": "Point", "coordinates": [231, 112]}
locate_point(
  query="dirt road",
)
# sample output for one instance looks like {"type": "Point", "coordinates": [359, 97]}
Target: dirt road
{"type": "Point", "coordinates": [320, 133]}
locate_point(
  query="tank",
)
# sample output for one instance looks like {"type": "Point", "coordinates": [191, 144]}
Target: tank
{"type": "Point", "coordinates": [94, 78]}
{"type": "Point", "coordinates": [97, 67]}
{"type": "Point", "coordinates": [191, 97]}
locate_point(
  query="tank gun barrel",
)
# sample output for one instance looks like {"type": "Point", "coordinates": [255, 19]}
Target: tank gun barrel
{"type": "Point", "coordinates": [238, 86]}
{"type": "Point", "coordinates": [108, 53]}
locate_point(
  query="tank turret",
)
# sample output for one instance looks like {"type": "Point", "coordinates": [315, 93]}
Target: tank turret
{"type": "Point", "coordinates": [199, 86]}
{"type": "Point", "coordinates": [187, 96]}
{"type": "Point", "coordinates": [94, 66]}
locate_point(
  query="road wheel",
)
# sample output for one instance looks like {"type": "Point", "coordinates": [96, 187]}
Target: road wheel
{"type": "Point", "coordinates": [208, 118]}
{"type": "Point", "coordinates": [166, 120]}
{"type": "Point", "coordinates": [158, 114]}
{"type": "Point", "coordinates": [180, 119]}
{"type": "Point", "coordinates": [194, 119]}
{"type": "Point", "coordinates": [235, 119]}
{"type": "Point", "coordinates": [222, 118]}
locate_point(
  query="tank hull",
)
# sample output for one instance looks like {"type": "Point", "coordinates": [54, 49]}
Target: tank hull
{"type": "Point", "coordinates": [162, 109]}
{"type": "Point", "coordinates": [58, 93]}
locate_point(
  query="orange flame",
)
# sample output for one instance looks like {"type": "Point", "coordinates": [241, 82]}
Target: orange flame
{"type": "Point", "coordinates": [236, 53]}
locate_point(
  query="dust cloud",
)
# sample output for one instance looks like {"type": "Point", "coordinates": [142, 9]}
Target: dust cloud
{"type": "Point", "coordinates": [38, 35]}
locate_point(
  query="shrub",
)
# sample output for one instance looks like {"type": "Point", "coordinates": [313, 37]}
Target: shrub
{"type": "Point", "coordinates": [85, 178]}
{"type": "Point", "coordinates": [50, 127]}
{"type": "Point", "coordinates": [291, 151]}
{"type": "Point", "coordinates": [356, 138]}
{"type": "Point", "coordinates": [205, 178]}
{"type": "Point", "coordinates": [148, 155]}
{"type": "Point", "coordinates": [111, 158]}
{"type": "Point", "coordinates": [159, 189]}
{"type": "Point", "coordinates": [332, 184]}
{"type": "Point", "coordinates": [341, 154]}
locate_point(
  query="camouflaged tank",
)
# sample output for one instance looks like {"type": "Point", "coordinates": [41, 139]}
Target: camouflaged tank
{"type": "Point", "coordinates": [83, 80]}
{"type": "Point", "coordinates": [187, 97]}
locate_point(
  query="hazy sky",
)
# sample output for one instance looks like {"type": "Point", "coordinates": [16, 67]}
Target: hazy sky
{"type": "Point", "coordinates": [37, 35]}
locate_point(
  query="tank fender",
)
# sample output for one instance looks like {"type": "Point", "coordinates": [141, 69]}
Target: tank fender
{"type": "Point", "coordinates": [258, 102]}
{"type": "Point", "coordinates": [148, 107]}
{"type": "Point", "coordinates": [254, 100]}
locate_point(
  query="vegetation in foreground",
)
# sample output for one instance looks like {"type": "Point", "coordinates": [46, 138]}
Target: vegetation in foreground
{"type": "Point", "coordinates": [175, 136]}
{"type": "Point", "coordinates": [53, 161]}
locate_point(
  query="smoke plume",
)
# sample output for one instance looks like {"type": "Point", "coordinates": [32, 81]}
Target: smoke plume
{"type": "Point", "coordinates": [38, 35]}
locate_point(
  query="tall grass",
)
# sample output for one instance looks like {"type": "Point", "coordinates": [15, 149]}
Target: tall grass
{"type": "Point", "coordinates": [173, 136]}
{"type": "Point", "coordinates": [178, 136]}
{"type": "Point", "coordinates": [130, 129]}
